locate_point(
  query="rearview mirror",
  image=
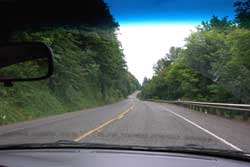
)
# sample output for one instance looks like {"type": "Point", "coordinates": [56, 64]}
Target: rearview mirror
{"type": "Point", "coordinates": [25, 62]}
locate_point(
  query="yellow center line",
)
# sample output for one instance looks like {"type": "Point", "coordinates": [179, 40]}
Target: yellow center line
{"type": "Point", "coordinates": [97, 129]}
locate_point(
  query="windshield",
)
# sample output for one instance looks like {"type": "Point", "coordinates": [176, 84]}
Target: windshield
{"type": "Point", "coordinates": [141, 73]}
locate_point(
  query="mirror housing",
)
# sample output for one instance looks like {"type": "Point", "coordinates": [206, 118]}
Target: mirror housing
{"type": "Point", "coordinates": [24, 62]}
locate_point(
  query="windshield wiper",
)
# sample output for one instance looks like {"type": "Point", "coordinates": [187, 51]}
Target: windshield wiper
{"type": "Point", "coordinates": [188, 149]}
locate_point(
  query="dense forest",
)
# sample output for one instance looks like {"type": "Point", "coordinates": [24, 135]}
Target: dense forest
{"type": "Point", "coordinates": [90, 70]}
{"type": "Point", "coordinates": [213, 66]}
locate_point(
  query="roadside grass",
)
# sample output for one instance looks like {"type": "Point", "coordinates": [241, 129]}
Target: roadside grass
{"type": "Point", "coordinates": [37, 101]}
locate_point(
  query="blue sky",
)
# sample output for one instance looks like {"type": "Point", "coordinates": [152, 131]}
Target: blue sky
{"type": "Point", "coordinates": [148, 28]}
{"type": "Point", "coordinates": [169, 11]}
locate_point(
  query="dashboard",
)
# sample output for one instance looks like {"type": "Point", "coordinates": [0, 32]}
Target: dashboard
{"type": "Point", "coordinates": [107, 158]}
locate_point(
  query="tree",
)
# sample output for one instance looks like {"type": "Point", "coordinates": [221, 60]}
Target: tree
{"type": "Point", "coordinates": [161, 65]}
{"type": "Point", "coordinates": [216, 24]}
{"type": "Point", "coordinates": [90, 69]}
{"type": "Point", "coordinates": [214, 66]}
{"type": "Point", "coordinates": [242, 10]}
{"type": "Point", "coordinates": [174, 53]}
{"type": "Point", "coordinates": [145, 81]}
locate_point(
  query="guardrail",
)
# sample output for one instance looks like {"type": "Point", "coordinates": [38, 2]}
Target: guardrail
{"type": "Point", "coordinates": [241, 111]}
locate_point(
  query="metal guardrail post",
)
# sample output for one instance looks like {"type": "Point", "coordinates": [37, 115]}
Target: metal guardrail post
{"type": "Point", "coordinates": [222, 113]}
{"type": "Point", "coordinates": [231, 114]}
{"type": "Point", "coordinates": [245, 116]}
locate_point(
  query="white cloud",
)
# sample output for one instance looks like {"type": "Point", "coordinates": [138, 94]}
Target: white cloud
{"type": "Point", "coordinates": [143, 45]}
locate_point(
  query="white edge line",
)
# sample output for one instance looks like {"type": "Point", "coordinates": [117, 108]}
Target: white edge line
{"type": "Point", "coordinates": [207, 131]}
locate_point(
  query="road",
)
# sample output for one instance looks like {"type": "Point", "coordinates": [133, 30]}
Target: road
{"type": "Point", "coordinates": [134, 122]}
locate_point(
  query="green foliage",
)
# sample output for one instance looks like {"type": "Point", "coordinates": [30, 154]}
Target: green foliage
{"type": "Point", "coordinates": [90, 70]}
{"type": "Point", "coordinates": [173, 54]}
{"type": "Point", "coordinates": [216, 24]}
{"type": "Point", "coordinates": [243, 13]}
{"type": "Point", "coordinates": [214, 66]}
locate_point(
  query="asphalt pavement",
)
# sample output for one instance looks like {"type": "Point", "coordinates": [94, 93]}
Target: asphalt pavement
{"type": "Point", "coordinates": [134, 122]}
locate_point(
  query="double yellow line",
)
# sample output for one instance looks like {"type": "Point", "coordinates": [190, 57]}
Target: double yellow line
{"type": "Point", "coordinates": [98, 129]}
